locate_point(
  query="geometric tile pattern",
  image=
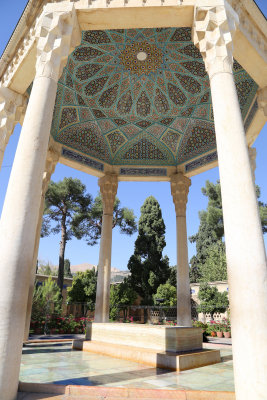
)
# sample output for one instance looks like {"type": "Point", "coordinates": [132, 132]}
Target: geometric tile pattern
{"type": "Point", "coordinates": [71, 155]}
{"type": "Point", "coordinates": [140, 97]}
{"type": "Point", "coordinates": [208, 158]}
{"type": "Point", "coordinates": [143, 171]}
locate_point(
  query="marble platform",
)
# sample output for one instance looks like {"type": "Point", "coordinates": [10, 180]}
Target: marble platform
{"type": "Point", "coordinates": [158, 337]}
{"type": "Point", "coordinates": [171, 347]}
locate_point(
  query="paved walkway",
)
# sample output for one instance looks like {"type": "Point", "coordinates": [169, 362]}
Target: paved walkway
{"type": "Point", "coordinates": [58, 363]}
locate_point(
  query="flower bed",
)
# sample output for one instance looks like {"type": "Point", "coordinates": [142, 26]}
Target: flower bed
{"type": "Point", "coordinates": [215, 328]}
{"type": "Point", "coordinates": [54, 324]}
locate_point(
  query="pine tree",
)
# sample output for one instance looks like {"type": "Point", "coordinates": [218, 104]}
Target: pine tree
{"type": "Point", "coordinates": [209, 263]}
{"type": "Point", "coordinates": [148, 267]}
{"type": "Point", "coordinates": [63, 201]}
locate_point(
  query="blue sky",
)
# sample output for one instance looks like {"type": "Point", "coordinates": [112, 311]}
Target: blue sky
{"type": "Point", "coordinates": [131, 194]}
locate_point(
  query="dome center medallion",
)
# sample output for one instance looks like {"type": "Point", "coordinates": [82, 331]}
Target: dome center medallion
{"type": "Point", "coordinates": [141, 56]}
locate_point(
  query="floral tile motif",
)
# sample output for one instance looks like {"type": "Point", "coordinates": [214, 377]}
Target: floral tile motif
{"type": "Point", "coordinates": [140, 97]}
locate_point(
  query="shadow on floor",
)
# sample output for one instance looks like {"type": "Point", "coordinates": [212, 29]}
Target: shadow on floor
{"type": "Point", "coordinates": [44, 349]}
{"type": "Point", "coordinates": [37, 396]}
{"type": "Point", "coordinates": [112, 378]}
{"type": "Point", "coordinates": [226, 358]}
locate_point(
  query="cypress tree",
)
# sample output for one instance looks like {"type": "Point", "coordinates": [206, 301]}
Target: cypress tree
{"type": "Point", "coordinates": [148, 267]}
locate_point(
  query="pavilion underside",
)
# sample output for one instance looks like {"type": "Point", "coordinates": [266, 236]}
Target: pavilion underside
{"type": "Point", "coordinates": [137, 90]}
{"type": "Point", "coordinates": [141, 98]}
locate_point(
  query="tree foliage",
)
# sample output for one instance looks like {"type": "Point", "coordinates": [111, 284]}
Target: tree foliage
{"type": "Point", "coordinates": [46, 269]}
{"type": "Point", "coordinates": [67, 271]}
{"type": "Point", "coordinates": [211, 300]}
{"type": "Point", "coordinates": [147, 265]}
{"type": "Point", "coordinates": [167, 293]}
{"type": "Point", "coordinates": [64, 201]}
{"type": "Point", "coordinates": [121, 296]}
{"type": "Point", "coordinates": [209, 263]}
{"type": "Point", "coordinates": [262, 210]}
{"type": "Point", "coordinates": [89, 223]}
{"type": "Point", "coordinates": [46, 299]}
{"type": "Point", "coordinates": [83, 289]}
{"type": "Point", "coordinates": [173, 276]}
{"type": "Point", "coordinates": [215, 267]}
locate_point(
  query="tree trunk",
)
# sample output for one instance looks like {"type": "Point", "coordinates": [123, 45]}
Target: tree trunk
{"type": "Point", "coordinates": [60, 278]}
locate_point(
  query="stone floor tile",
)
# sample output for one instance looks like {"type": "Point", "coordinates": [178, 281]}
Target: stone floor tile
{"type": "Point", "coordinates": [60, 364]}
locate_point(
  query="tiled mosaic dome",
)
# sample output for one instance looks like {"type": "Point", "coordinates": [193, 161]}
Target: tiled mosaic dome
{"type": "Point", "coordinates": [139, 97]}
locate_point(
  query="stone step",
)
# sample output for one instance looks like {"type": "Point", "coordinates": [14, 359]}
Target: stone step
{"type": "Point", "coordinates": [128, 394]}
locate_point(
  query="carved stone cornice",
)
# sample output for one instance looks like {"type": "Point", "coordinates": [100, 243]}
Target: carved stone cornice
{"type": "Point", "coordinates": [23, 50]}
{"type": "Point", "coordinates": [262, 99]}
{"type": "Point", "coordinates": [12, 110]}
{"type": "Point", "coordinates": [213, 31]}
{"type": "Point", "coordinates": [250, 29]}
{"type": "Point", "coordinates": [58, 33]}
{"type": "Point", "coordinates": [108, 188]}
{"type": "Point", "coordinates": [179, 189]}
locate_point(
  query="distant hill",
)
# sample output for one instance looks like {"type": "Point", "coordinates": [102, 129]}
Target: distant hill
{"type": "Point", "coordinates": [84, 266]}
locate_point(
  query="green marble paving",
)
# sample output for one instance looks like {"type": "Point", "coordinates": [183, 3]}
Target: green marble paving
{"type": "Point", "coordinates": [48, 363]}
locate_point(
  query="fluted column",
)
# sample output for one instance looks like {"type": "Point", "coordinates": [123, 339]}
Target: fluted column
{"type": "Point", "coordinates": [108, 187]}
{"type": "Point", "coordinates": [56, 34]}
{"type": "Point", "coordinates": [50, 165]}
{"type": "Point", "coordinates": [12, 110]}
{"type": "Point", "coordinates": [179, 190]}
{"type": "Point", "coordinates": [213, 31]}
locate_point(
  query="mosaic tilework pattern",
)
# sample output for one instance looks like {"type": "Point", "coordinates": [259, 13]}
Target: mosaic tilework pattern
{"type": "Point", "coordinates": [140, 97]}
{"type": "Point", "coordinates": [143, 171]}
{"type": "Point", "coordinates": [201, 161]}
{"type": "Point", "coordinates": [72, 155]}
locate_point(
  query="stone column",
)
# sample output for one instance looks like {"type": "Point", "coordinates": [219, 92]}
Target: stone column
{"type": "Point", "coordinates": [262, 99]}
{"type": "Point", "coordinates": [12, 110]}
{"type": "Point", "coordinates": [108, 187]}
{"type": "Point", "coordinates": [213, 31]}
{"type": "Point", "coordinates": [55, 38]}
{"type": "Point", "coordinates": [179, 190]}
{"type": "Point", "coordinates": [50, 165]}
{"type": "Point", "coordinates": [252, 152]}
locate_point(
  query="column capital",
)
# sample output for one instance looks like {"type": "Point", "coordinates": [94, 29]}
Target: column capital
{"type": "Point", "coordinates": [179, 189]}
{"type": "Point", "coordinates": [108, 188]}
{"type": "Point", "coordinates": [53, 154]}
{"type": "Point", "coordinates": [262, 99]}
{"type": "Point", "coordinates": [12, 110]}
{"type": "Point", "coordinates": [213, 30]}
{"type": "Point", "coordinates": [57, 33]}
{"type": "Point", "coordinates": [252, 152]}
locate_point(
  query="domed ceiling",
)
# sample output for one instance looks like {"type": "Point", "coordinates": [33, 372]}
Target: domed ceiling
{"type": "Point", "coordinates": [139, 97]}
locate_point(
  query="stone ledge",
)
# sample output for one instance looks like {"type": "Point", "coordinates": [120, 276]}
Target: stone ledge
{"type": "Point", "coordinates": [179, 361]}
{"type": "Point", "coordinates": [112, 393]}
{"type": "Point", "coordinates": [160, 338]}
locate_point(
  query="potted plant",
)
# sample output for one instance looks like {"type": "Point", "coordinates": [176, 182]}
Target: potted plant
{"type": "Point", "coordinates": [212, 328]}
{"type": "Point", "coordinates": [227, 328]}
{"type": "Point", "coordinates": [219, 330]}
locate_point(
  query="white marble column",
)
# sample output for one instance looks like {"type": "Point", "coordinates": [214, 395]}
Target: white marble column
{"type": "Point", "coordinates": [213, 31]}
{"type": "Point", "coordinates": [50, 165]}
{"type": "Point", "coordinates": [179, 190]}
{"type": "Point", "coordinates": [55, 38]}
{"type": "Point", "coordinates": [108, 187]}
{"type": "Point", "coordinates": [12, 110]}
